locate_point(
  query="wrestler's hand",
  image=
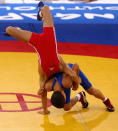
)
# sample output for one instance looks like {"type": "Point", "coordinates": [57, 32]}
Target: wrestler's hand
{"type": "Point", "coordinates": [44, 112]}
{"type": "Point", "coordinates": [76, 86]}
{"type": "Point", "coordinates": [41, 91]}
{"type": "Point", "coordinates": [74, 77]}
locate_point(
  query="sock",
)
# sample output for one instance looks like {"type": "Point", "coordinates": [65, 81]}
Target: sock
{"type": "Point", "coordinates": [78, 96]}
{"type": "Point", "coordinates": [105, 99]}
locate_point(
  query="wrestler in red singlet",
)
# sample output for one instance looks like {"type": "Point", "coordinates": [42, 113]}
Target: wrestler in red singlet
{"type": "Point", "coordinates": [46, 47]}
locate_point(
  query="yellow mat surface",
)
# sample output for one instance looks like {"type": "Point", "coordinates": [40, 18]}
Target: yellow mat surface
{"type": "Point", "coordinates": [19, 81]}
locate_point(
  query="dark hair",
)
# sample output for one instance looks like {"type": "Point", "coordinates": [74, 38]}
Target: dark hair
{"type": "Point", "coordinates": [57, 99]}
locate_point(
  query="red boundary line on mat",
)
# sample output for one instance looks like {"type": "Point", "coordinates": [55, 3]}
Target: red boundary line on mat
{"type": "Point", "coordinates": [108, 51]}
{"type": "Point", "coordinates": [15, 46]}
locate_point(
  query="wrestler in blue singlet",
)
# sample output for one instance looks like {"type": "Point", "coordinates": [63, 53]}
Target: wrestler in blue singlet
{"type": "Point", "coordinates": [85, 83]}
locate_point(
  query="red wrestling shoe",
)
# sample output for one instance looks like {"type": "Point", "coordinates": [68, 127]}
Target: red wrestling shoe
{"type": "Point", "coordinates": [109, 105]}
{"type": "Point", "coordinates": [83, 99]}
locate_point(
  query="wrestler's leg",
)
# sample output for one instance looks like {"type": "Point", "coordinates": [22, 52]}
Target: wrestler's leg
{"type": "Point", "coordinates": [48, 22]}
{"type": "Point", "coordinates": [81, 97]}
{"type": "Point", "coordinates": [19, 34]}
{"type": "Point", "coordinates": [96, 92]}
{"type": "Point", "coordinates": [24, 35]}
{"type": "Point", "coordinates": [47, 17]}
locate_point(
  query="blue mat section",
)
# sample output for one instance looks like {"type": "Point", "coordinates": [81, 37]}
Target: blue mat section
{"type": "Point", "coordinates": [75, 23]}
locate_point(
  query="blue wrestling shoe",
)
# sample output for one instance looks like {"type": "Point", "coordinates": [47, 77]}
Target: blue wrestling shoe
{"type": "Point", "coordinates": [40, 6]}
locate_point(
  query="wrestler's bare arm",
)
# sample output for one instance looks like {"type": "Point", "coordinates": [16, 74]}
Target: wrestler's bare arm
{"type": "Point", "coordinates": [67, 81]}
{"type": "Point", "coordinates": [75, 68]}
{"type": "Point", "coordinates": [44, 102]}
{"type": "Point", "coordinates": [66, 69]}
{"type": "Point", "coordinates": [42, 91]}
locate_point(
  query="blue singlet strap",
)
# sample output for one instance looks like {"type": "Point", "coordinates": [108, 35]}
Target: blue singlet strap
{"type": "Point", "coordinates": [54, 83]}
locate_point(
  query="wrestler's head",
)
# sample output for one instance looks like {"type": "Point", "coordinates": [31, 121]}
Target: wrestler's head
{"type": "Point", "coordinates": [58, 99]}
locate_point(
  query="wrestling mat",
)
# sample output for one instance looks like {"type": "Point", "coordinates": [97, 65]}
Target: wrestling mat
{"type": "Point", "coordinates": [20, 105]}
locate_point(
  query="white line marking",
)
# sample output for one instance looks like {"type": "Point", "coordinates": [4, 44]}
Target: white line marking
{"type": "Point", "coordinates": [83, 122]}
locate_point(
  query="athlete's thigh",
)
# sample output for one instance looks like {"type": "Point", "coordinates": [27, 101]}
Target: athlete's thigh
{"type": "Point", "coordinates": [85, 83]}
{"type": "Point", "coordinates": [19, 34]}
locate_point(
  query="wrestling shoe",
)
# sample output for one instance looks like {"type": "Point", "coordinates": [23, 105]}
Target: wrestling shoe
{"type": "Point", "coordinates": [109, 105]}
{"type": "Point", "coordinates": [40, 6]}
{"type": "Point", "coordinates": [83, 99]}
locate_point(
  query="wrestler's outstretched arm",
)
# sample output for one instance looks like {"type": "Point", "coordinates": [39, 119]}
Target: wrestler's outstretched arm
{"type": "Point", "coordinates": [42, 91]}
{"type": "Point", "coordinates": [43, 94]}
{"type": "Point", "coordinates": [75, 68]}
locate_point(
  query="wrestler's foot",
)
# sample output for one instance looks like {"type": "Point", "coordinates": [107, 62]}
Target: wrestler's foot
{"type": "Point", "coordinates": [109, 106]}
{"type": "Point", "coordinates": [83, 99]}
{"type": "Point", "coordinates": [39, 15]}
{"type": "Point", "coordinates": [5, 34]}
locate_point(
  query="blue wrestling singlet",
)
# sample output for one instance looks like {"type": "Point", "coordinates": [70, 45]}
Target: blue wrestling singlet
{"type": "Point", "coordinates": [85, 83]}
